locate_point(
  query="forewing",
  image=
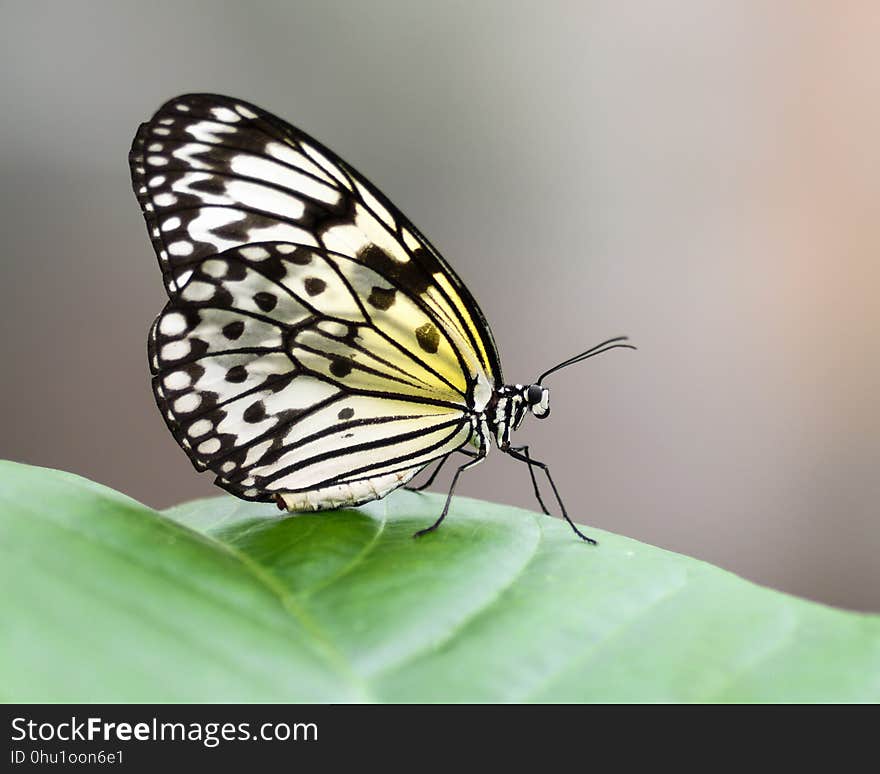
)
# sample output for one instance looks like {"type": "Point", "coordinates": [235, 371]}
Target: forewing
{"type": "Point", "coordinates": [214, 173]}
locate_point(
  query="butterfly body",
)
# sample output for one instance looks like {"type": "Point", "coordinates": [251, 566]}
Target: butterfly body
{"type": "Point", "coordinates": [315, 350]}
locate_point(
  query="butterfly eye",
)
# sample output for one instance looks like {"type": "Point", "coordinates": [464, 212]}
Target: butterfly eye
{"type": "Point", "coordinates": [534, 393]}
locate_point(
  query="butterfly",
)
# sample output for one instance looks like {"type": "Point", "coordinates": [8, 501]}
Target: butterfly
{"type": "Point", "coordinates": [315, 350]}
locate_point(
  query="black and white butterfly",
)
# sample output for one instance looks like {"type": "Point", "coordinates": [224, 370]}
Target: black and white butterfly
{"type": "Point", "coordinates": [316, 350]}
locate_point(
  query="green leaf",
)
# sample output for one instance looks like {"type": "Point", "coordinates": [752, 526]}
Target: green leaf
{"type": "Point", "coordinates": [221, 600]}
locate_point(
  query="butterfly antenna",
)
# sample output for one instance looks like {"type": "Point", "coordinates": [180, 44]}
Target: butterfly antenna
{"type": "Point", "coordinates": [605, 346]}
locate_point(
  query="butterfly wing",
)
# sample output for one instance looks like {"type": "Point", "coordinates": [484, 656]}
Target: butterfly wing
{"type": "Point", "coordinates": [214, 173]}
{"type": "Point", "coordinates": [273, 371]}
{"type": "Point", "coordinates": [315, 345]}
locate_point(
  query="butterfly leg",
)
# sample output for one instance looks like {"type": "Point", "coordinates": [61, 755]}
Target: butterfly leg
{"type": "Point", "coordinates": [431, 478]}
{"type": "Point", "coordinates": [461, 469]}
{"type": "Point", "coordinates": [525, 451]}
{"type": "Point", "coordinates": [521, 453]}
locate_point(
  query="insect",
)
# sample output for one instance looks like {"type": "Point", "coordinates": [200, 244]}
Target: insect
{"type": "Point", "coordinates": [315, 350]}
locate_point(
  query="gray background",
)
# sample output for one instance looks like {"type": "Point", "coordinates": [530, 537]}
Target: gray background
{"type": "Point", "coordinates": [702, 176]}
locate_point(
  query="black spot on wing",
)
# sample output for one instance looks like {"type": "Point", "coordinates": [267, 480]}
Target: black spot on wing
{"type": "Point", "coordinates": [236, 374]}
{"type": "Point", "coordinates": [428, 337]}
{"type": "Point", "coordinates": [346, 413]}
{"type": "Point", "coordinates": [266, 301]}
{"type": "Point", "coordinates": [210, 185]}
{"type": "Point", "coordinates": [381, 298]}
{"type": "Point", "coordinates": [233, 330]}
{"type": "Point", "coordinates": [254, 413]}
{"type": "Point", "coordinates": [314, 286]}
{"type": "Point", "coordinates": [341, 366]}
{"type": "Point", "coordinates": [240, 230]}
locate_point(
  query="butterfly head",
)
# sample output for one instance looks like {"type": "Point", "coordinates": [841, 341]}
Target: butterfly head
{"type": "Point", "coordinates": [537, 398]}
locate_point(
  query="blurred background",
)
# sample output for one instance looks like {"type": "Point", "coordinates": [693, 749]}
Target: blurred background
{"type": "Point", "coordinates": [703, 176]}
